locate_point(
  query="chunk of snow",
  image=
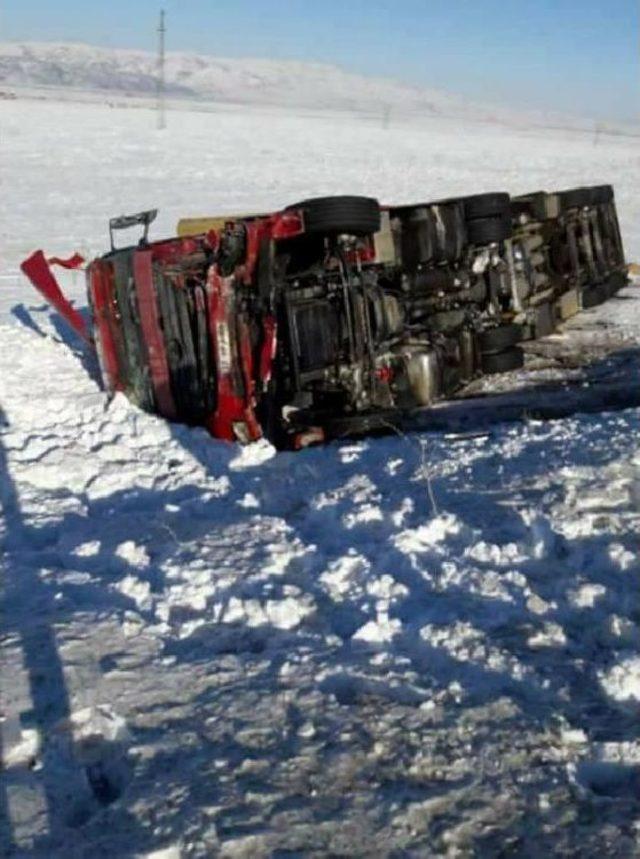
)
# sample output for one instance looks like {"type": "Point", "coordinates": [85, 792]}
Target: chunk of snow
{"type": "Point", "coordinates": [137, 590]}
{"type": "Point", "coordinates": [550, 635]}
{"type": "Point", "coordinates": [380, 630]}
{"type": "Point", "coordinates": [87, 550]}
{"type": "Point", "coordinates": [23, 750]}
{"type": "Point", "coordinates": [252, 455]}
{"type": "Point", "coordinates": [622, 681]}
{"type": "Point", "coordinates": [586, 595]}
{"type": "Point", "coordinates": [425, 537]}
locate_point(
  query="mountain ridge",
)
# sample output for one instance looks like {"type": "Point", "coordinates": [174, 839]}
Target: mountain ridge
{"type": "Point", "coordinates": [289, 83]}
{"type": "Point", "coordinates": [283, 83]}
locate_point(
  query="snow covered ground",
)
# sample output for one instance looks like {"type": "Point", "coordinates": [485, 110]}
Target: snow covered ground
{"type": "Point", "coordinates": [413, 646]}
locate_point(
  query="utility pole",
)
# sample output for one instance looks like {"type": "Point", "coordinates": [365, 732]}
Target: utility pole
{"type": "Point", "coordinates": [600, 128]}
{"type": "Point", "coordinates": [160, 82]}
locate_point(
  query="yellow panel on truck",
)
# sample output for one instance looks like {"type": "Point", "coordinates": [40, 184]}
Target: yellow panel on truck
{"type": "Point", "coordinates": [198, 226]}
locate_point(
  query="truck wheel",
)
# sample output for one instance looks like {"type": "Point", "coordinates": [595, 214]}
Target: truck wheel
{"type": "Point", "coordinates": [502, 362]}
{"type": "Point", "coordinates": [486, 231]}
{"type": "Point", "coordinates": [451, 244]}
{"type": "Point", "coordinates": [486, 205]}
{"type": "Point", "coordinates": [498, 339]}
{"type": "Point", "coordinates": [355, 216]}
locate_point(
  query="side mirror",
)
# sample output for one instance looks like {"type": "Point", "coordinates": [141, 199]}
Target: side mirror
{"type": "Point", "coordinates": [124, 222]}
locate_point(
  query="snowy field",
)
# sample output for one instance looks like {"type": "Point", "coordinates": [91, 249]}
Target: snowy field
{"type": "Point", "coordinates": [423, 645]}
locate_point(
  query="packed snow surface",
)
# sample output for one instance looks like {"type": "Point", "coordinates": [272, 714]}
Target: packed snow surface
{"type": "Point", "coordinates": [412, 646]}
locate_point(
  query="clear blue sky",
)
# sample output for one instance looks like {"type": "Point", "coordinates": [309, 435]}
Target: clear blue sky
{"type": "Point", "coordinates": [570, 55]}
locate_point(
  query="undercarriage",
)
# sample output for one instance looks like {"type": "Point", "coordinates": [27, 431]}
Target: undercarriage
{"type": "Point", "coordinates": [337, 315]}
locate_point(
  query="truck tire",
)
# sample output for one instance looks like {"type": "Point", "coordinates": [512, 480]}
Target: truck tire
{"type": "Point", "coordinates": [356, 216]}
{"type": "Point", "coordinates": [486, 231]}
{"type": "Point", "coordinates": [486, 205]}
{"type": "Point", "coordinates": [450, 246]}
{"type": "Point", "coordinates": [495, 340]}
{"type": "Point", "coordinates": [503, 362]}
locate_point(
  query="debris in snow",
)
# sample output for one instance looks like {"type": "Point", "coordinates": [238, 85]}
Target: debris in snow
{"type": "Point", "coordinates": [252, 455]}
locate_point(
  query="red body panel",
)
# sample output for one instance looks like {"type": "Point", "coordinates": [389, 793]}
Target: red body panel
{"type": "Point", "coordinates": [234, 416]}
{"type": "Point", "coordinates": [37, 270]}
{"type": "Point", "coordinates": [97, 274]}
{"type": "Point", "coordinates": [72, 262]}
{"type": "Point", "coordinates": [268, 350]}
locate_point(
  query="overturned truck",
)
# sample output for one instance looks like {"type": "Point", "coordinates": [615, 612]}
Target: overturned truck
{"type": "Point", "coordinates": [337, 316]}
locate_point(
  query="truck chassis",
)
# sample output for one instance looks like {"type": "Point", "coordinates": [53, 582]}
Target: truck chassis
{"type": "Point", "coordinates": [338, 315]}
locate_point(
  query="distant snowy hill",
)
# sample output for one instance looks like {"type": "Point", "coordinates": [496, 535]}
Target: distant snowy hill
{"type": "Point", "coordinates": [240, 81]}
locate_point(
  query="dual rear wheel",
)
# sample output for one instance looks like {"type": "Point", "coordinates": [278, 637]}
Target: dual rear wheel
{"type": "Point", "coordinates": [488, 219]}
